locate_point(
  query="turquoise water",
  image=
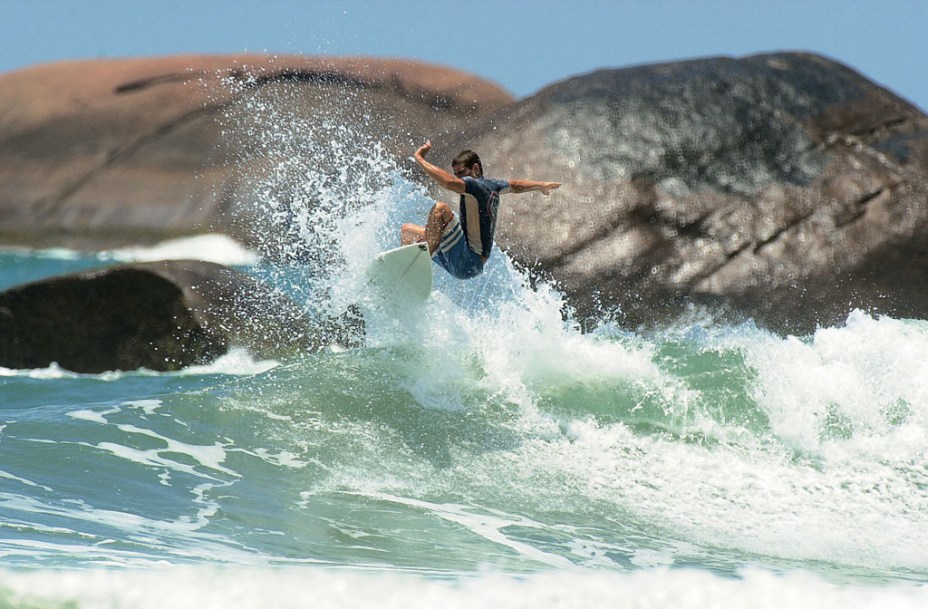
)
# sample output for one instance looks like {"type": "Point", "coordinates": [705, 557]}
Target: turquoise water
{"type": "Point", "coordinates": [478, 451]}
{"type": "Point", "coordinates": [475, 451]}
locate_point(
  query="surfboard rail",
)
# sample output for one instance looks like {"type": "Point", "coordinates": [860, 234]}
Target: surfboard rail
{"type": "Point", "coordinates": [404, 272]}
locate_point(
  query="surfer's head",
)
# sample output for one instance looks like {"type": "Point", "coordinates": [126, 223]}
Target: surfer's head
{"type": "Point", "coordinates": [467, 163]}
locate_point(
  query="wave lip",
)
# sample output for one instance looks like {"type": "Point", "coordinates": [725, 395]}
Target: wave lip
{"type": "Point", "coordinates": [209, 247]}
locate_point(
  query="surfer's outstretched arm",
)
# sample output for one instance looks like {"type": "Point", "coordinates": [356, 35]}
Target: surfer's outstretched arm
{"type": "Point", "coordinates": [520, 186]}
{"type": "Point", "coordinates": [441, 177]}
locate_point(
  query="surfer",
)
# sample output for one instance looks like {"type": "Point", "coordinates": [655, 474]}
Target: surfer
{"type": "Point", "coordinates": [460, 242]}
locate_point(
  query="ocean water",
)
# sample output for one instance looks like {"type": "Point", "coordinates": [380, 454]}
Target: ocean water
{"type": "Point", "coordinates": [478, 451]}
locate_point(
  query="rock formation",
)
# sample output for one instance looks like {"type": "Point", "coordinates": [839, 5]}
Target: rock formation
{"type": "Point", "coordinates": [159, 316]}
{"type": "Point", "coordinates": [100, 154]}
{"type": "Point", "coordinates": [786, 187]}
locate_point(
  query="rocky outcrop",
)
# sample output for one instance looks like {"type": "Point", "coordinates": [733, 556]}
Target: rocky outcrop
{"type": "Point", "coordinates": [106, 153]}
{"type": "Point", "coordinates": [784, 187]}
{"type": "Point", "coordinates": [159, 316]}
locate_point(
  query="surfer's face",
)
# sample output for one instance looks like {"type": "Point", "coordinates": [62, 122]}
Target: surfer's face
{"type": "Point", "coordinates": [461, 171]}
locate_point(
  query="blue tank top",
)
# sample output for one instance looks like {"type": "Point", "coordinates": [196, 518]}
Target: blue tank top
{"type": "Point", "coordinates": [478, 208]}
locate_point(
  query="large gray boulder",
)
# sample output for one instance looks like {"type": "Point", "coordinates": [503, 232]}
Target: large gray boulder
{"type": "Point", "coordinates": [160, 316]}
{"type": "Point", "coordinates": [784, 187]}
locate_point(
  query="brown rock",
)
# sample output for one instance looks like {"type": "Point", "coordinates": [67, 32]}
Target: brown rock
{"type": "Point", "coordinates": [114, 152]}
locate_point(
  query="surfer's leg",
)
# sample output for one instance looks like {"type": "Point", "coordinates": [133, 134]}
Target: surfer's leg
{"type": "Point", "coordinates": [439, 218]}
{"type": "Point", "coordinates": [412, 233]}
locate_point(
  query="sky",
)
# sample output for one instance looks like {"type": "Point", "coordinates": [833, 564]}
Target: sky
{"type": "Point", "coordinates": [520, 45]}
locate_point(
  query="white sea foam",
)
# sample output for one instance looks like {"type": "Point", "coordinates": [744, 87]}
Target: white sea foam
{"type": "Point", "coordinates": [206, 456]}
{"type": "Point", "coordinates": [88, 537]}
{"type": "Point", "coordinates": [245, 588]}
{"type": "Point", "coordinates": [211, 247]}
{"type": "Point", "coordinates": [852, 497]}
{"type": "Point", "coordinates": [486, 523]}
{"type": "Point", "coordinates": [210, 457]}
{"type": "Point", "coordinates": [862, 386]}
{"type": "Point", "coordinates": [238, 361]}
{"type": "Point", "coordinates": [149, 407]}
{"type": "Point", "coordinates": [864, 515]}
{"type": "Point", "coordinates": [8, 476]}
{"type": "Point", "coordinates": [53, 371]}
{"type": "Point", "coordinates": [92, 416]}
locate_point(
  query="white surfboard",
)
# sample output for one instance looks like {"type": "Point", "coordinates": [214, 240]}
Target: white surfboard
{"type": "Point", "coordinates": [404, 272]}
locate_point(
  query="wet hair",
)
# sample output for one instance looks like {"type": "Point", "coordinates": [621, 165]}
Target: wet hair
{"type": "Point", "coordinates": [468, 158]}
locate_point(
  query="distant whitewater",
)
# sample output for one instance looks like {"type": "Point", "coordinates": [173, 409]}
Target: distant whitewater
{"type": "Point", "coordinates": [217, 248]}
{"type": "Point", "coordinates": [482, 452]}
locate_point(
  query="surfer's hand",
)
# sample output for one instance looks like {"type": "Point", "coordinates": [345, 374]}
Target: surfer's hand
{"type": "Point", "coordinates": [423, 149]}
{"type": "Point", "coordinates": [547, 187]}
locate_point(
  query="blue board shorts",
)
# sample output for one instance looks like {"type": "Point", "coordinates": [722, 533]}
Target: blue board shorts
{"type": "Point", "coordinates": [454, 255]}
